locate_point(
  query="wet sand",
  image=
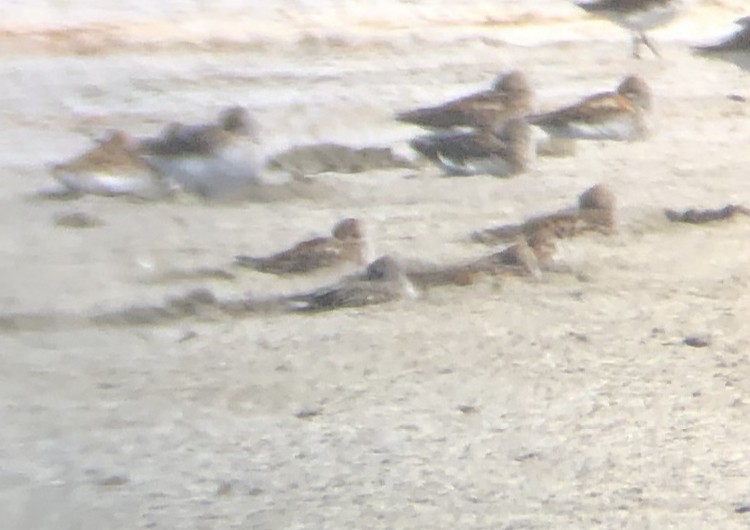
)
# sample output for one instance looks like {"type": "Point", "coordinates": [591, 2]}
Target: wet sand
{"type": "Point", "coordinates": [613, 396]}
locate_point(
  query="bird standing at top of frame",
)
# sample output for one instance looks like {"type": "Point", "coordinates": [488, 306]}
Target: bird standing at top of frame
{"type": "Point", "coordinates": [638, 16]}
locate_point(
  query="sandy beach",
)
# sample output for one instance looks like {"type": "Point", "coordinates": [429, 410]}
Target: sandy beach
{"type": "Point", "coordinates": [610, 395]}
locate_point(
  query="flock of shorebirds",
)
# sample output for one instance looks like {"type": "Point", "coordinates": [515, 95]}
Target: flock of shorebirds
{"type": "Point", "coordinates": [493, 131]}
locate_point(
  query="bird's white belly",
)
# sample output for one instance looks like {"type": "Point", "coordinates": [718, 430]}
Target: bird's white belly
{"type": "Point", "coordinates": [140, 183]}
{"type": "Point", "coordinates": [620, 129]}
{"type": "Point", "coordinates": [218, 175]}
{"type": "Point", "coordinates": [491, 165]}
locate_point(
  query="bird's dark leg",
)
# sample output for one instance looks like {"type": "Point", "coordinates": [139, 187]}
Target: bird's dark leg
{"type": "Point", "coordinates": [649, 44]}
{"type": "Point", "coordinates": [637, 46]}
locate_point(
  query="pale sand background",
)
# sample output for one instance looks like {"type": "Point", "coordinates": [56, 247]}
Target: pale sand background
{"type": "Point", "coordinates": [588, 409]}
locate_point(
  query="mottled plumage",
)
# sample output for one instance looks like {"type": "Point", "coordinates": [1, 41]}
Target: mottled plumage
{"type": "Point", "coordinates": [595, 213]}
{"type": "Point", "coordinates": [215, 161]}
{"type": "Point", "coordinates": [618, 115]}
{"type": "Point", "coordinates": [112, 167]}
{"type": "Point", "coordinates": [347, 243]}
{"type": "Point", "coordinates": [505, 152]}
{"type": "Point", "coordinates": [519, 259]}
{"type": "Point", "coordinates": [382, 281]}
{"type": "Point", "coordinates": [510, 97]}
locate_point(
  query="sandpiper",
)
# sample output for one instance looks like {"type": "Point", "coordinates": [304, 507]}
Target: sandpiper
{"type": "Point", "coordinates": [501, 153]}
{"type": "Point", "coordinates": [382, 281]}
{"type": "Point", "coordinates": [113, 167]}
{"type": "Point", "coordinates": [638, 16]}
{"type": "Point", "coordinates": [543, 243]}
{"type": "Point", "coordinates": [347, 244]}
{"type": "Point", "coordinates": [595, 213]}
{"type": "Point", "coordinates": [597, 207]}
{"type": "Point", "coordinates": [735, 48]}
{"type": "Point", "coordinates": [214, 161]}
{"type": "Point", "coordinates": [519, 259]}
{"type": "Point", "coordinates": [510, 97]}
{"type": "Point", "coordinates": [618, 115]}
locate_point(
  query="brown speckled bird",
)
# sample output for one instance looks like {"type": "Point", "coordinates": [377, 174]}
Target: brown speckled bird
{"type": "Point", "coordinates": [347, 243]}
{"type": "Point", "coordinates": [505, 152]}
{"type": "Point", "coordinates": [112, 167]}
{"type": "Point", "coordinates": [618, 115]}
{"type": "Point", "coordinates": [215, 161]}
{"type": "Point", "coordinates": [595, 213]}
{"type": "Point", "coordinates": [382, 281]}
{"type": "Point", "coordinates": [510, 97]}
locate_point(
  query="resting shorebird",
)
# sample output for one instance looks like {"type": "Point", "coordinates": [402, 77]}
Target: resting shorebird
{"type": "Point", "coordinates": [595, 213]}
{"type": "Point", "coordinates": [510, 97]}
{"type": "Point", "coordinates": [382, 281]}
{"type": "Point", "coordinates": [519, 259]}
{"type": "Point", "coordinates": [734, 48]}
{"type": "Point", "coordinates": [501, 153]}
{"type": "Point", "coordinates": [638, 16]}
{"type": "Point", "coordinates": [214, 161]}
{"type": "Point", "coordinates": [347, 243]}
{"type": "Point", "coordinates": [113, 167]}
{"type": "Point", "coordinates": [618, 115]}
